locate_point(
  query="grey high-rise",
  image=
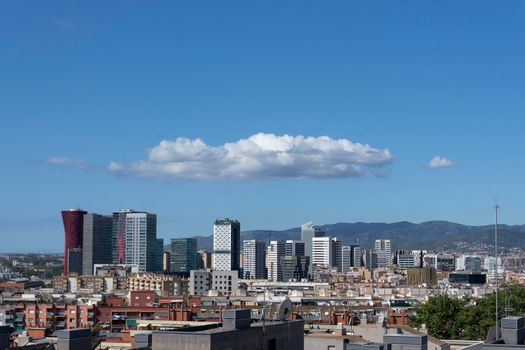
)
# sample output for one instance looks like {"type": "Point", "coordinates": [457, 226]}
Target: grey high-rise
{"type": "Point", "coordinates": [183, 255]}
{"type": "Point", "coordinates": [227, 244]}
{"type": "Point", "coordinates": [118, 236]}
{"type": "Point", "coordinates": [96, 244]}
{"type": "Point", "coordinates": [141, 240]}
{"type": "Point", "coordinates": [254, 259]}
{"type": "Point", "coordinates": [309, 231]}
{"type": "Point", "coordinates": [158, 254]}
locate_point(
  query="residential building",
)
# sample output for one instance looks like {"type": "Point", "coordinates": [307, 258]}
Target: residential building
{"type": "Point", "coordinates": [183, 255]}
{"type": "Point", "coordinates": [96, 241]}
{"type": "Point", "coordinates": [254, 259]}
{"type": "Point", "coordinates": [141, 240]}
{"type": "Point", "coordinates": [203, 281]}
{"type": "Point", "coordinates": [226, 244]}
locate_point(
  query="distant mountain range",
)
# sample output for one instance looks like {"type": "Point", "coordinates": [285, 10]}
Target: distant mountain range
{"type": "Point", "coordinates": [404, 234]}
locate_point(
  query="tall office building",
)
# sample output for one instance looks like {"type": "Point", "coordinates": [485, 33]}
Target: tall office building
{"type": "Point", "coordinates": [226, 245]}
{"type": "Point", "coordinates": [350, 257]}
{"type": "Point", "coordinates": [336, 254]}
{"type": "Point", "coordinates": [204, 260]}
{"type": "Point", "coordinates": [118, 236]}
{"type": "Point", "coordinates": [294, 247]}
{"type": "Point", "coordinates": [73, 220]}
{"type": "Point", "coordinates": [308, 232]}
{"type": "Point", "coordinates": [96, 241]}
{"type": "Point", "coordinates": [183, 255]}
{"type": "Point", "coordinates": [254, 259]}
{"type": "Point", "coordinates": [158, 254]}
{"type": "Point", "coordinates": [141, 241]}
{"type": "Point", "coordinates": [276, 250]}
{"type": "Point", "coordinates": [383, 249]}
{"type": "Point", "coordinates": [294, 267]}
{"type": "Point", "coordinates": [322, 252]}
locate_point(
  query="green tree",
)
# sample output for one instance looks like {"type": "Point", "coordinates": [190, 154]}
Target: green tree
{"type": "Point", "coordinates": [439, 314]}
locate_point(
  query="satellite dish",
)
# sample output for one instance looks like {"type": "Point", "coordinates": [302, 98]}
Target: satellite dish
{"type": "Point", "coordinates": [285, 309]}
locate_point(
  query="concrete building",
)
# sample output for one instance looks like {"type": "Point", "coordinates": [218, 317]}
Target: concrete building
{"type": "Point", "coordinates": [276, 250]}
{"type": "Point", "coordinates": [254, 253]}
{"type": "Point", "coordinates": [96, 241]}
{"type": "Point", "coordinates": [141, 241]}
{"type": "Point", "coordinates": [322, 251]}
{"type": "Point", "coordinates": [226, 245]}
{"type": "Point", "coordinates": [183, 255]}
{"type": "Point", "coordinates": [203, 281]}
{"type": "Point", "coordinates": [237, 333]}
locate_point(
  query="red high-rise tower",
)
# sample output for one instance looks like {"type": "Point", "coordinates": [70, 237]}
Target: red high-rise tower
{"type": "Point", "coordinates": [73, 232]}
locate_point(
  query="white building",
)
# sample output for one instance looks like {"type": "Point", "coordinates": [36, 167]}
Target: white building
{"type": "Point", "coordinates": [203, 281]}
{"type": "Point", "coordinates": [321, 251]}
{"type": "Point", "coordinates": [253, 259]}
{"type": "Point", "coordinates": [226, 245]}
{"type": "Point", "coordinates": [276, 250]}
{"type": "Point", "coordinates": [141, 240]}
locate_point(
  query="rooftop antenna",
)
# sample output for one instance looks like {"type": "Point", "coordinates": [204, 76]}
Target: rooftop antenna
{"type": "Point", "coordinates": [496, 208]}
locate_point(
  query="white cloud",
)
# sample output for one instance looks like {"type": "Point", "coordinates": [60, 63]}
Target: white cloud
{"type": "Point", "coordinates": [67, 162]}
{"type": "Point", "coordinates": [440, 162]}
{"type": "Point", "coordinates": [261, 156]}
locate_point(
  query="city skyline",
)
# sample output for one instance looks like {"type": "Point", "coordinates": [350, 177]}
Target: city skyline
{"type": "Point", "coordinates": [271, 114]}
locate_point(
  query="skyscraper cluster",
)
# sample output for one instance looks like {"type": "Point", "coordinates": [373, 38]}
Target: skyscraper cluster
{"type": "Point", "coordinates": [126, 237]}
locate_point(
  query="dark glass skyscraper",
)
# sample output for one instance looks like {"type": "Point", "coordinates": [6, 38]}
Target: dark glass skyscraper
{"type": "Point", "coordinates": [96, 247]}
{"type": "Point", "coordinates": [183, 255]}
{"type": "Point", "coordinates": [73, 220]}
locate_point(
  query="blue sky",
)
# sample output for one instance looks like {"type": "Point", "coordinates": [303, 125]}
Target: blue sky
{"type": "Point", "coordinates": [85, 84]}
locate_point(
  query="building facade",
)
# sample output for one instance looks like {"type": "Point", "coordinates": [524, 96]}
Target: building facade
{"type": "Point", "coordinates": [183, 255]}
{"type": "Point", "coordinates": [141, 241]}
{"type": "Point", "coordinates": [254, 259]}
{"type": "Point", "coordinates": [226, 245]}
{"type": "Point", "coordinates": [276, 250]}
{"type": "Point", "coordinates": [73, 221]}
{"type": "Point", "coordinates": [96, 246]}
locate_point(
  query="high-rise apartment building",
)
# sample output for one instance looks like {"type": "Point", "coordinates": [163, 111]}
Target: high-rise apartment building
{"type": "Point", "coordinates": [183, 255]}
{"type": "Point", "coordinates": [276, 250]}
{"type": "Point", "coordinates": [73, 220]}
{"type": "Point", "coordinates": [254, 259]}
{"type": "Point", "coordinates": [226, 244]}
{"type": "Point", "coordinates": [96, 241]}
{"type": "Point", "coordinates": [141, 240]}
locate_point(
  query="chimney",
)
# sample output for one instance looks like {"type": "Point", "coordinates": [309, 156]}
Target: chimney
{"type": "Point", "coordinates": [512, 330]}
{"type": "Point", "coordinates": [236, 319]}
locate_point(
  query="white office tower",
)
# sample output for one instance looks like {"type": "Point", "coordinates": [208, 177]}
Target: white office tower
{"type": "Point", "coordinates": [295, 248]}
{"type": "Point", "coordinates": [490, 266]}
{"type": "Point", "coordinates": [253, 253]}
{"type": "Point", "coordinates": [226, 245]}
{"type": "Point", "coordinates": [383, 249]}
{"type": "Point", "coordinates": [276, 250]}
{"type": "Point", "coordinates": [141, 240]}
{"type": "Point", "coordinates": [322, 251]}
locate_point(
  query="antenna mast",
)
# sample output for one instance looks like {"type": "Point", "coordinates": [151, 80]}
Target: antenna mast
{"type": "Point", "coordinates": [496, 208]}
